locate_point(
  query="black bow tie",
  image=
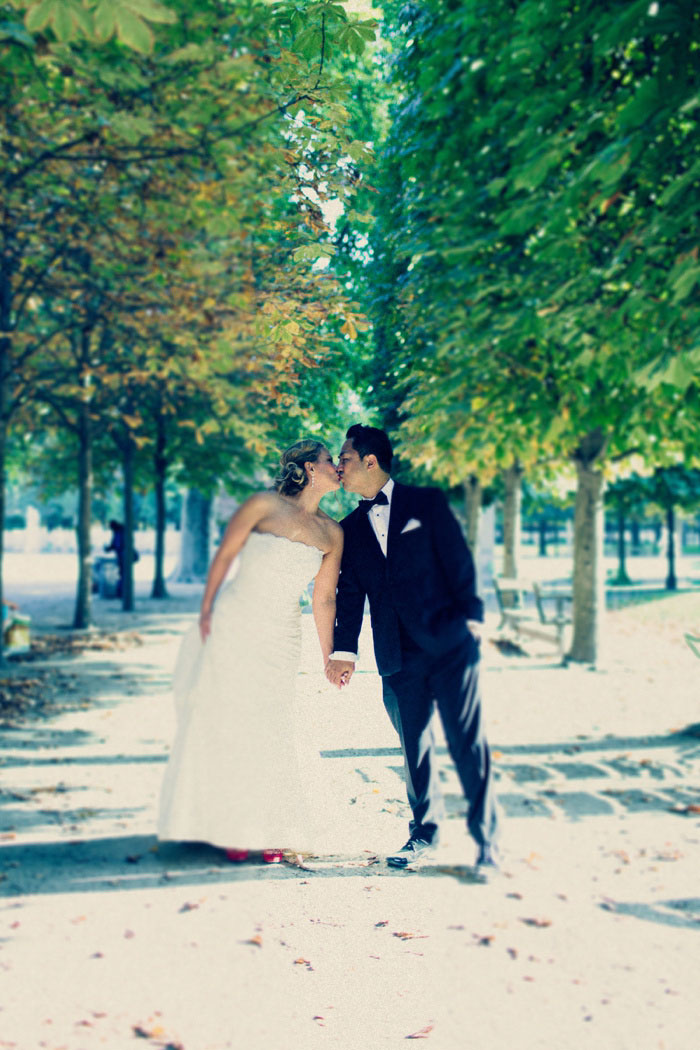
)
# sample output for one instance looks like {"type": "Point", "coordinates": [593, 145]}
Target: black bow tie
{"type": "Point", "coordinates": [380, 500]}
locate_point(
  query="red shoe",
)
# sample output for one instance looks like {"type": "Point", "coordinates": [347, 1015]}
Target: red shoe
{"type": "Point", "coordinates": [237, 856]}
{"type": "Point", "coordinates": [272, 856]}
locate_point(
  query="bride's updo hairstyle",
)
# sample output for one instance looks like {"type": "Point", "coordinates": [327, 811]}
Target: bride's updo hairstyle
{"type": "Point", "coordinates": [292, 477]}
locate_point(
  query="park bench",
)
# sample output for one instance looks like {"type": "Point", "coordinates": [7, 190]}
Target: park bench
{"type": "Point", "coordinates": [532, 610]}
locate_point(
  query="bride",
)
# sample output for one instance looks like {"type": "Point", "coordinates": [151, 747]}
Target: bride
{"type": "Point", "coordinates": [233, 777]}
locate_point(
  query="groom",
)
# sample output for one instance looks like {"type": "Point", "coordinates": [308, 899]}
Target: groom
{"type": "Point", "coordinates": [405, 551]}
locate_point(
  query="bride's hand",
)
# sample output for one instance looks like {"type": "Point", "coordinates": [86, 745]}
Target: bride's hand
{"type": "Point", "coordinates": [204, 625]}
{"type": "Point", "coordinates": [339, 672]}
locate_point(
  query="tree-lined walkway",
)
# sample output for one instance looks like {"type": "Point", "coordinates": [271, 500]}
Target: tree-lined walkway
{"type": "Point", "coordinates": [591, 936]}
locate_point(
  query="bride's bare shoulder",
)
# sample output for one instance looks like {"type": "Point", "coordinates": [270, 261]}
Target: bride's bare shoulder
{"type": "Point", "coordinates": [258, 506]}
{"type": "Point", "coordinates": [333, 529]}
{"type": "Point", "coordinates": [264, 500]}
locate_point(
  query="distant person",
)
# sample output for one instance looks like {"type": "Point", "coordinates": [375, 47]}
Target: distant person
{"type": "Point", "coordinates": [118, 545]}
{"type": "Point", "coordinates": [404, 550]}
{"type": "Point", "coordinates": [233, 778]}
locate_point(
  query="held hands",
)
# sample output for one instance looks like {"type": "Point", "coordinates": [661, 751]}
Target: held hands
{"type": "Point", "coordinates": [339, 672]}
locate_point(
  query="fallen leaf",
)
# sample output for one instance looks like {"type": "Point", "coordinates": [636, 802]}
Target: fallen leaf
{"type": "Point", "coordinates": [256, 940]}
{"type": "Point", "coordinates": [187, 906]}
{"type": "Point", "coordinates": [404, 936]}
{"type": "Point", "coordinates": [538, 923]}
{"type": "Point", "coordinates": [422, 1034]}
{"type": "Point", "coordinates": [484, 940]}
{"type": "Point", "coordinates": [383, 922]}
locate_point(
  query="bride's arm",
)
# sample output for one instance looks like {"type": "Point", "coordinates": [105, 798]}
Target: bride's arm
{"type": "Point", "coordinates": [237, 531]}
{"type": "Point", "coordinates": [323, 602]}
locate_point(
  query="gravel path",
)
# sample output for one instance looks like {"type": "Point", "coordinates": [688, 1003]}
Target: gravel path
{"type": "Point", "coordinates": [590, 937]}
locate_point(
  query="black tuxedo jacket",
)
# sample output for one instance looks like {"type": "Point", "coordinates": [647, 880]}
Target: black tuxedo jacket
{"type": "Point", "coordinates": [426, 582]}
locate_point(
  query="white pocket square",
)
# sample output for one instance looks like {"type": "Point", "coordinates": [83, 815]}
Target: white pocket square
{"type": "Point", "coordinates": [410, 525]}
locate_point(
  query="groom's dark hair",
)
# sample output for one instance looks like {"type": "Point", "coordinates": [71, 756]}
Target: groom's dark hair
{"type": "Point", "coordinates": [366, 440]}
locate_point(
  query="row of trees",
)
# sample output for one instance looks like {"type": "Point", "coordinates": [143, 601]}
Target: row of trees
{"type": "Point", "coordinates": [175, 298]}
{"type": "Point", "coordinates": [535, 251]}
{"type": "Point", "coordinates": [161, 208]}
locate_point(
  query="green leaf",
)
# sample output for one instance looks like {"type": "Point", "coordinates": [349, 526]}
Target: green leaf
{"type": "Point", "coordinates": [131, 128]}
{"type": "Point", "coordinates": [83, 21]}
{"type": "Point", "coordinates": [63, 24]}
{"type": "Point", "coordinates": [16, 31]}
{"type": "Point", "coordinates": [151, 11]}
{"type": "Point", "coordinates": [133, 31]}
{"type": "Point", "coordinates": [309, 42]}
{"type": "Point", "coordinates": [105, 20]}
{"type": "Point", "coordinates": [356, 41]}
{"type": "Point", "coordinates": [685, 282]}
{"type": "Point", "coordinates": [313, 251]}
{"type": "Point", "coordinates": [39, 16]}
{"type": "Point", "coordinates": [495, 186]}
{"type": "Point", "coordinates": [188, 53]}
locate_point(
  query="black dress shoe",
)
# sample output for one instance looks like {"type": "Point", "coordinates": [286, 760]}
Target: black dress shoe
{"type": "Point", "coordinates": [410, 853]}
{"type": "Point", "coordinates": [487, 858]}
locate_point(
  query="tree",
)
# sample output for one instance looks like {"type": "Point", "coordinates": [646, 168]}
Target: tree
{"type": "Point", "coordinates": [625, 496]}
{"type": "Point", "coordinates": [670, 488]}
{"type": "Point", "coordinates": [522, 315]}
{"type": "Point", "coordinates": [149, 198]}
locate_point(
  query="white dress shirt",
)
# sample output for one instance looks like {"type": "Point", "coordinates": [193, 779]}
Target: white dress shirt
{"type": "Point", "coordinates": [378, 516]}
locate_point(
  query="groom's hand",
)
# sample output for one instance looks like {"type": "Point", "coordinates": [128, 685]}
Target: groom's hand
{"type": "Point", "coordinates": [339, 672]}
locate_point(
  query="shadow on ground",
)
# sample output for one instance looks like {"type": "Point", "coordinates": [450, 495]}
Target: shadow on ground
{"type": "Point", "coordinates": [141, 862]}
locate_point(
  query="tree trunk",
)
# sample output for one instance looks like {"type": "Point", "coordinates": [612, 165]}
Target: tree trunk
{"type": "Point", "coordinates": [542, 537]}
{"type": "Point", "coordinates": [194, 548]}
{"type": "Point", "coordinates": [589, 582]}
{"type": "Point", "coordinates": [128, 552]}
{"type": "Point", "coordinates": [621, 577]}
{"type": "Point", "coordinates": [83, 597]}
{"type": "Point", "coordinates": [472, 507]}
{"type": "Point", "coordinates": [160, 464]}
{"type": "Point", "coordinates": [3, 442]}
{"type": "Point", "coordinates": [5, 358]}
{"type": "Point", "coordinates": [671, 580]}
{"type": "Point", "coordinates": [635, 536]}
{"type": "Point", "coordinates": [513, 477]}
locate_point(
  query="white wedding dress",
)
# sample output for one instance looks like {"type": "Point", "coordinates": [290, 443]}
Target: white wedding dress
{"type": "Point", "coordinates": [234, 778]}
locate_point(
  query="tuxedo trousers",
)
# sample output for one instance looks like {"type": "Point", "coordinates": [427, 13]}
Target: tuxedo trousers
{"type": "Point", "coordinates": [451, 683]}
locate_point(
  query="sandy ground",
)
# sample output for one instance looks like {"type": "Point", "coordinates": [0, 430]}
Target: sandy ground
{"type": "Point", "coordinates": [589, 937]}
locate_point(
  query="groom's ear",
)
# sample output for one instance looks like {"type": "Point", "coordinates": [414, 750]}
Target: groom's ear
{"type": "Point", "coordinates": [370, 461]}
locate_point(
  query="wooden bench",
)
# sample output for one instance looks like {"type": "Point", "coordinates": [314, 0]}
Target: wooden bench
{"type": "Point", "coordinates": [523, 606]}
{"type": "Point", "coordinates": [554, 607]}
